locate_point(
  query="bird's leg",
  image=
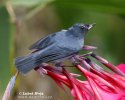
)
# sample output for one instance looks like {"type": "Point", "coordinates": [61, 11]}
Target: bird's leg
{"type": "Point", "coordinates": [59, 64]}
{"type": "Point", "coordinates": [75, 59]}
{"type": "Point", "coordinates": [40, 69]}
{"type": "Point", "coordinates": [86, 47]}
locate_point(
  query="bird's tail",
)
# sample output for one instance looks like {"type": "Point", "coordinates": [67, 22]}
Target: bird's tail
{"type": "Point", "coordinates": [25, 64]}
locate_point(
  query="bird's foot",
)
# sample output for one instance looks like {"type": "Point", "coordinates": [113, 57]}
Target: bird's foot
{"type": "Point", "coordinates": [59, 66]}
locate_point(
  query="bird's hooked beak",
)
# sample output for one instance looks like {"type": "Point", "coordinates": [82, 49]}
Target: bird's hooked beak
{"type": "Point", "coordinates": [91, 25]}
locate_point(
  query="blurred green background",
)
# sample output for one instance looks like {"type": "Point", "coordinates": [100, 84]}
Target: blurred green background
{"type": "Point", "coordinates": [22, 22]}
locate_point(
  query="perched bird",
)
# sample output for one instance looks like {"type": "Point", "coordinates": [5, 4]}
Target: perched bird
{"type": "Point", "coordinates": [54, 48]}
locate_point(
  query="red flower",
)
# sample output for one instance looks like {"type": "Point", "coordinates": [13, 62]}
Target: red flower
{"type": "Point", "coordinates": [99, 84]}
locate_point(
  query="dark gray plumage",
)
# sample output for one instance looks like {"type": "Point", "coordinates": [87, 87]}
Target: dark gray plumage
{"type": "Point", "coordinates": [56, 46]}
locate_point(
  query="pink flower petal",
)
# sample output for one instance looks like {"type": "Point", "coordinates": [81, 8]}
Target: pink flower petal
{"type": "Point", "coordinates": [9, 88]}
{"type": "Point", "coordinates": [121, 67]}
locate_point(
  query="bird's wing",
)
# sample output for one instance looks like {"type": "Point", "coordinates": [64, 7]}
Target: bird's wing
{"type": "Point", "coordinates": [53, 54]}
{"type": "Point", "coordinates": [44, 42]}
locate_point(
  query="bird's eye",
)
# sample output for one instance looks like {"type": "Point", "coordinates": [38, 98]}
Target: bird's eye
{"type": "Point", "coordinates": [82, 27]}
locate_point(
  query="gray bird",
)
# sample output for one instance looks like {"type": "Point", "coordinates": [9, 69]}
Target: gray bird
{"type": "Point", "coordinates": [54, 48]}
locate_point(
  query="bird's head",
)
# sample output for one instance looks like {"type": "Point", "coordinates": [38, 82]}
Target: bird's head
{"type": "Point", "coordinates": [81, 29]}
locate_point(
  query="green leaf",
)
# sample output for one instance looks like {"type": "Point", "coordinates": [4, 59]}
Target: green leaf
{"type": "Point", "coordinates": [6, 48]}
{"type": "Point", "coordinates": [107, 6]}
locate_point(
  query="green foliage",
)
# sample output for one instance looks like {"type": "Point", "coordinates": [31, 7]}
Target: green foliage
{"type": "Point", "coordinates": [5, 34]}
{"type": "Point", "coordinates": [71, 9]}
{"type": "Point", "coordinates": [108, 6]}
